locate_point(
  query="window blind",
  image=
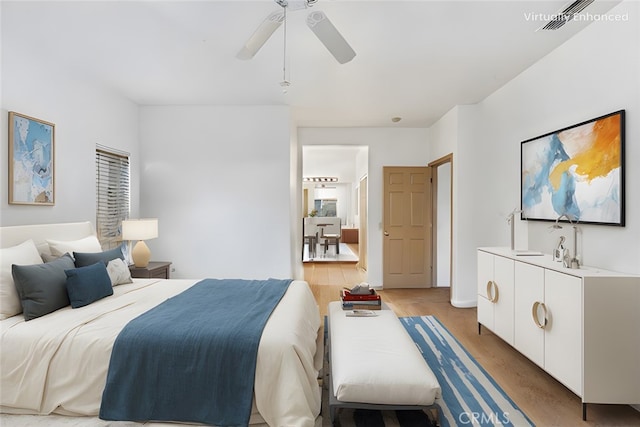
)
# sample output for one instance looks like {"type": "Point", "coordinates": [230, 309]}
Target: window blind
{"type": "Point", "coordinates": [112, 194]}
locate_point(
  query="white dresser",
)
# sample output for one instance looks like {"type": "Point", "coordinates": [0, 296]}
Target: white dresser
{"type": "Point", "coordinates": [582, 326]}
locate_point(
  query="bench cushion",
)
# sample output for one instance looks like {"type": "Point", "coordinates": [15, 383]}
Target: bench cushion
{"type": "Point", "coordinates": [374, 360]}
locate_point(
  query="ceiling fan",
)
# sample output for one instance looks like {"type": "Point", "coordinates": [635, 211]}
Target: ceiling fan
{"type": "Point", "coordinates": [317, 21]}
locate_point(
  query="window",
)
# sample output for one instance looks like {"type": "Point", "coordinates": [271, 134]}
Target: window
{"type": "Point", "coordinates": [326, 207]}
{"type": "Point", "coordinates": [112, 194]}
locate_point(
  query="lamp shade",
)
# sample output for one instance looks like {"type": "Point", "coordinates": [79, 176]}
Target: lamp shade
{"type": "Point", "coordinates": [140, 229]}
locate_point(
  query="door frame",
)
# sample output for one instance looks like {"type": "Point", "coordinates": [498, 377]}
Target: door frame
{"type": "Point", "coordinates": [434, 205]}
{"type": "Point", "coordinates": [363, 202]}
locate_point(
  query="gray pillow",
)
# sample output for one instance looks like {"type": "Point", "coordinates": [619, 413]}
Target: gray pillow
{"type": "Point", "coordinates": [84, 259]}
{"type": "Point", "coordinates": [42, 288]}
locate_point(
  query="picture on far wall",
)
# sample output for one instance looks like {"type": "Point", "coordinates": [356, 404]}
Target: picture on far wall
{"type": "Point", "coordinates": [31, 161]}
{"type": "Point", "coordinates": [577, 171]}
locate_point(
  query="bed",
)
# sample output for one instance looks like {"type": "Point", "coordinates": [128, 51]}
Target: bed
{"type": "Point", "coordinates": [57, 364]}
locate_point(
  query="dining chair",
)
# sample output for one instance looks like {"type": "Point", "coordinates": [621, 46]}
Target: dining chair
{"type": "Point", "coordinates": [310, 236]}
{"type": "Point", "coordinates": [333, 237]}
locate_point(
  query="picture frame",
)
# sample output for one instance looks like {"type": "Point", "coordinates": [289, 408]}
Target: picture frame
{"type": "Point", "coordinates": [31, 161]}
{"type": "Point", "coordinates": [576, 174]}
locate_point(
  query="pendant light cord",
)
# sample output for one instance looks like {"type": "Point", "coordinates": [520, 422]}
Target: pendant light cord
{"type": "Point", "coordinates": [284, 53]}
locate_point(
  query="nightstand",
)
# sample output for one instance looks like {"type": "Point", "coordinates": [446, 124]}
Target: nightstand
{"type": "Point", "coordinates": [155, 270]}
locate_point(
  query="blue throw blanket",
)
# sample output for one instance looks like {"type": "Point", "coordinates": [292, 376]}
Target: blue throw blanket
{"type": "Point", "coordinates": [193, 357]}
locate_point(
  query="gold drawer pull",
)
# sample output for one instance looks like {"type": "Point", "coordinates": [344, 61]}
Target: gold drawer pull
{"type": "Point", "coordinates": [492, 291]}
{"type": "Point", "coordinates": [534, 313]}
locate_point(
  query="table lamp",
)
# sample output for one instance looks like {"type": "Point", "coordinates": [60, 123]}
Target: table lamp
{"type": "Point", "coordinates": [140, 230]}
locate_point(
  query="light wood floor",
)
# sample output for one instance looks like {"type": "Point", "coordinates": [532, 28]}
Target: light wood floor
{"type": "Point", "coordinates": [545, 401]}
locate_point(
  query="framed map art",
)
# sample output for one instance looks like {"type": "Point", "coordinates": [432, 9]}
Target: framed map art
{"type": "Point", "coordinates": [31, 161]}
{"type": "Point", "coordinates": [576, 172]}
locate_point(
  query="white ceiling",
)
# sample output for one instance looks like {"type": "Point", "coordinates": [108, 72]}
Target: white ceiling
{"type": "Point", "coordinates": [415, 59]}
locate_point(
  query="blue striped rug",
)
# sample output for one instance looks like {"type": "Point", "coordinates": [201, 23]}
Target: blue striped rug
{"type": "Point", "coordinates": [469, 395]}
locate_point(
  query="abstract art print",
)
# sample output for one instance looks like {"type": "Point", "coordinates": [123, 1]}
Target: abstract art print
{"type": "Point", "coordinates": [31, 160]}
{"type": "Point", "coordinates": [576, 172]}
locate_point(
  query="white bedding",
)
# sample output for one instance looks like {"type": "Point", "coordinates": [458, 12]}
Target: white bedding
{"type": "Point", "coordinates": [58, 363]}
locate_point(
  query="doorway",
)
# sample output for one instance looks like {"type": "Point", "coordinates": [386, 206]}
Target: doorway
{"type": "Point", "coordinates": [331, 188]}
{"type": "Point", "coordinates": [442, 196]}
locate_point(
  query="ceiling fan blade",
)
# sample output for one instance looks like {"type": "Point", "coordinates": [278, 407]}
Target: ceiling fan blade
{"type": "Point", "coordinates": [261, 35]}
{"type": "Point", "coordinates": [330, 37]}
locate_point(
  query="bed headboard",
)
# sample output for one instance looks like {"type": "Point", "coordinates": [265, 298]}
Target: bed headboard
{"type": "Point", "coordinates": [39, 233]}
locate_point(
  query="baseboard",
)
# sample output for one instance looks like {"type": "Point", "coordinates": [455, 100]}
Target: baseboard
{"type": "Point", "coordinates": [464, 304]}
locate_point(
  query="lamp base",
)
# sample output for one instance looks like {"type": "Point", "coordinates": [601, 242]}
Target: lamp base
{"type": "Point", "coordinates": [141, 254]}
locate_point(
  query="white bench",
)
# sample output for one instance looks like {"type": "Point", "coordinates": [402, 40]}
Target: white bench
{"type": "Point", "coordinates": [374, 364]}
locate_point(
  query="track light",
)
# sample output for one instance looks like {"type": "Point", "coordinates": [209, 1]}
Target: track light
{"type": "Point", "coordinates": [320, 179]}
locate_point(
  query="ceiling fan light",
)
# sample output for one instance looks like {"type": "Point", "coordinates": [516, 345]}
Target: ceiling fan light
{"type": "Point", "coordinates": [330, 37]}
{"type": "Point", "coordinates": [261, 35]}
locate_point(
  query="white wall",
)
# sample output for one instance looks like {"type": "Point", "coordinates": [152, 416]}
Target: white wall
{"type": "Point", "coordinates": [594, 73]}
{"type": "Point", "coordinates": [362, 170]}
{"type": "Point", "coordinates": [387, 147]}
{"type": "Point", "coordinates": [295, 189]}
{"type": "Point", "coordinates": [443, 221]}
{"type": "Point", "coordinates": [450, 135]}
{"type": "Point", "coordinates": [84, 113]}
{"type": "Point", "coordinates": [219, 179]}
{"type": "Point", "coordinates": [443, 139]}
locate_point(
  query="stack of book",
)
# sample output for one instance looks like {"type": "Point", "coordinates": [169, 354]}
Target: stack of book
{"type": "Point", "coordinates": [370, 301]}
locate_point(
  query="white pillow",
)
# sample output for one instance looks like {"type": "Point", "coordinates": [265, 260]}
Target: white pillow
{"type": "Point", "coordinates": [118, 272]}
{"type": "Point", "coordinates": [87, 244]}
{"type": "Point", "coordinates": [25, 253]}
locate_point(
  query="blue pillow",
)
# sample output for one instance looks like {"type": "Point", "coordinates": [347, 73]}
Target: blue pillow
{"type": "Point", "coordinates": [88, 284]}
{"type": "Point", "coordinates": [42, 287]}
{"type": "Point", "coordinates": [84, 259]}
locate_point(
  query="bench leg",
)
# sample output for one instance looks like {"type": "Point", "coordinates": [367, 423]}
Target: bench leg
{"type": "Point", "coordinates": [333, 412]}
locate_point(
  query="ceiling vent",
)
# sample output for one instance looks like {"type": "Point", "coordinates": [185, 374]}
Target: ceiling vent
{"type": "Point", "coordinates": [565, 15]}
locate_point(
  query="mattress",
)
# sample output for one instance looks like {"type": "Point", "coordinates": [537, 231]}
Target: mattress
{"type": "Point", "coordinates": [57, 364]}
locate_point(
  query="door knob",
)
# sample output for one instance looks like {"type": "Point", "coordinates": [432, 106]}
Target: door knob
{"type": "Point", "coordinates": [386, 233]}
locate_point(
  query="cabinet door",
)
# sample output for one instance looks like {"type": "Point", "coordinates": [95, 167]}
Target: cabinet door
{"type": "Point", "coordinates": [503, 304]}
{"type": "Point", "coordinates": [485, 275]}
{"type": "Point", "coordinates": [529, 289]}
{"type": "Point", "coordinates": [563, 333]}
{"type": "Point", "coordinates": [485, 272]}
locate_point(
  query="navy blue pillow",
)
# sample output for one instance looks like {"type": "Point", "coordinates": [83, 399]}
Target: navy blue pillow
{"type": "Point", "coordinates": [84, 259]}
{"type": "Point", "coordinates": [88, 284]}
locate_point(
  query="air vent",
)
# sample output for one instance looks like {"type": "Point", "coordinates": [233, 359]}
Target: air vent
{"type": "Point", "coordinates": [565, 15]}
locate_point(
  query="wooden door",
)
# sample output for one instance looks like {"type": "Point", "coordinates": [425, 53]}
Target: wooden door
{"type": "Point", "coordinates": [407, 227]}
{"type": "Point", "coordinates": [362, 237]}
